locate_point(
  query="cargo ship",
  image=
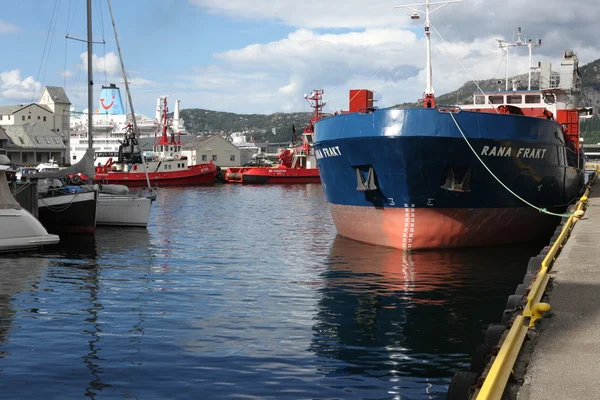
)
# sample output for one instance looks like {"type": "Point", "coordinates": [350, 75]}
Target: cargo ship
{"type": "Point", "coordinates": [496, 171]}
{"type": "Point", "coordinates": [297, 164]}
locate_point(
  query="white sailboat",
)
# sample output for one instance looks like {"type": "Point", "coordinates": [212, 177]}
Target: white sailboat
{"type": "Point", "coordinates": [115, 209]}
{"type": "Point", "coordinates": [19, 230]}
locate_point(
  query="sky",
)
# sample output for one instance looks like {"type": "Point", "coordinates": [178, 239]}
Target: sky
{"type": "Point", "coordinates": [262, 56]}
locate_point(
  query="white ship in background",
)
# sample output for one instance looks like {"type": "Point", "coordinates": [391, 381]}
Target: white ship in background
{"type": "Point", "coordinates": [110, 121]}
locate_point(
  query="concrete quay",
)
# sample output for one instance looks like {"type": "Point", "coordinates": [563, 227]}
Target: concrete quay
{"type": "Point", "coordinates": [565, 363]}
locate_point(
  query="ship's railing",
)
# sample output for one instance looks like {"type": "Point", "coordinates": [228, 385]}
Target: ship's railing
{"type": "Point", "coordinates": [495, 380]}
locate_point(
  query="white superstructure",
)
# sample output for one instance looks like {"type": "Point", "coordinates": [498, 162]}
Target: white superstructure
{"type": "Point", "coordinates": [110, 122]}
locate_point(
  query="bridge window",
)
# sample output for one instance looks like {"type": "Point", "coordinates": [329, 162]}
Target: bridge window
{"type": "Point", "coordinates": [514, 99]}
{"type": "Point", "coordinates": [532, 98]}
{"type": "Point", "coordinates": [496, 99]}
{"type": "Point", "coordinates": [480, 99]}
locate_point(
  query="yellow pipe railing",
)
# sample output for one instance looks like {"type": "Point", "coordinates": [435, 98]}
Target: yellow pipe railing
{"type": "Point", "coordinates": [497, 377]}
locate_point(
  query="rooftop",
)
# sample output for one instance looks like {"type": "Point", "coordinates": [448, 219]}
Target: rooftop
{"type": "Point", "coordinates": [33, 136]}
{"type": "Point", "coordinates": [58, 94]}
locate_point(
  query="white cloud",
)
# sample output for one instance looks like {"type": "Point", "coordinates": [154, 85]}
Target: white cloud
{"type": "Point", "coordinates": [140, 82]}
{"type": "Point", "coordinates": [108, 64]}
{"type": "Point", "coordinates": [12, 87]}
{"type": "Point", "coordinates": [66, 74]}
{"type": "Point", "coordinates": [274, 76]}
{"type": "Point", "coordinates": [377, 48]}
{"type": "Point", "coordinates": [7, 27]}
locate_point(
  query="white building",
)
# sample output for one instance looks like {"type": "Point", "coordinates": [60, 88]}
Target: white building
{"type": "Point", "coordinates": [50, 113]}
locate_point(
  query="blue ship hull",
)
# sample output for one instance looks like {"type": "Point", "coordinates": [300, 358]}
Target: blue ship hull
{"type": "Point", "coordinates": [406, 178]}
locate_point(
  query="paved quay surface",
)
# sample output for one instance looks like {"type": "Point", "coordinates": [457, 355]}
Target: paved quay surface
{"type": "Point", "coordinates": [566, 360]}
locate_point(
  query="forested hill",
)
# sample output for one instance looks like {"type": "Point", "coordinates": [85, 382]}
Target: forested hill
{"type": "Point", "coordinates": [260, 126]}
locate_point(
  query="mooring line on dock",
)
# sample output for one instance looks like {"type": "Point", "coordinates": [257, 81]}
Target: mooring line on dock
{"type": "Point", "coordinates": [495, 381]}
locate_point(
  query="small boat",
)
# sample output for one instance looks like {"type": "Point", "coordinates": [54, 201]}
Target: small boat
{"type": "Point", "coordinates": [65, 208]}
{"type": "Point", "coordinates": [297, 164]}
{"type": "Point", "coordinates": [117, 207]}
{"type": "Point", "coordinates": [19, 230]}
{"type": "Point", "coordinates": [51, 165]}
{"type": "Point", "coordinates": [164, 166]}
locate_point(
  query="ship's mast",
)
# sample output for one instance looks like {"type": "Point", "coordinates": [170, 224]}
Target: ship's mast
{"type": "Point", "coordinates": [316, 103]}
{"type": "Point", "coordinates": [503, 44]}
{"type": "Point", "coordinates": [90, 74]}
{"type": "Point", "coordinates": [428, 98]}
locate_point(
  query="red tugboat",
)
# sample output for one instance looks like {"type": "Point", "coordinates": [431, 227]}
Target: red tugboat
{"type": "Point", "coordinates": [297, 164]}
{"type": "Point", "coordinates": [166, 166]}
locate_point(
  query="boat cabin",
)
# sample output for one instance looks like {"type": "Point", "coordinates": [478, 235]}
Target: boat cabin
{"type": "Point", "coordinates": [519, 98]}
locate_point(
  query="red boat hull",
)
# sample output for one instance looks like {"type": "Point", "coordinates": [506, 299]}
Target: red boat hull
{"type": "Point", "coordinates": [204, 174]}
{"type": "Point", "coordinates": [272, 175]}
{"type": "Point", "coordinates": [430, 228]}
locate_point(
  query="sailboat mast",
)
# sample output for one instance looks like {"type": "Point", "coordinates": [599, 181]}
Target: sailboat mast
{"type": "Point", "coordinates": [90, 73]}
{"type": "Point", "coordinates": [135, 127]}
{"type": "Point", "coordinates": [112, 18]}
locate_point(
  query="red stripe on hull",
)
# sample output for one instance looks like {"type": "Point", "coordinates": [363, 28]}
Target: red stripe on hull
{"type": "Point", "coordinates": [191, 176]}
{"type": "Point", "coordinates": [272, 175]}
{"type": "Point", "coordinates": [428, 228]}
{"type": "Point", "coordinates": [78, 229]}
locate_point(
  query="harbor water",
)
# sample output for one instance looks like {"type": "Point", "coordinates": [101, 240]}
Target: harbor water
{"type": "Point", "coordinates": [244, 292]}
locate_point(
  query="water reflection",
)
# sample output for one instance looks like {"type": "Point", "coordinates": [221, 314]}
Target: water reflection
{"type": "Point", "coordinates": [408, 319]}
{"type": "Point", "coordinates": [17, 275]}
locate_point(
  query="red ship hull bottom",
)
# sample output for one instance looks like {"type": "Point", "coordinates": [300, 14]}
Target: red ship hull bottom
{"type": "Point", "coordinates": [429, 228]}
{"type": "Point", "coordinates": [272, 175]}
{"type": "Point", "coordinates": [194, 175]}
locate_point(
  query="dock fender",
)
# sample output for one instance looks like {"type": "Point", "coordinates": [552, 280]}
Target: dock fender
{"type": "Point", "coordinates": [493, 334]}
{"type": "Point", "coordinates": [461, 384]}
{"type": "Point", "coordinates": [480, 358]}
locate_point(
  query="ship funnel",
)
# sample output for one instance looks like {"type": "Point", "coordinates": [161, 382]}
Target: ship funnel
{"type": "Point", "coordinates": [110, 101]}
{"type": "Point", "coordinates": [176, 113]}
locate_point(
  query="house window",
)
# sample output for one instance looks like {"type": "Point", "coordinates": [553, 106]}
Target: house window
{"type": "Point", "coordinates": [38, 117]}
{"type": "Point", "coordinates": [44, 119]}
{"type": "Point", "coordinates": [29, 117]}
{"type": "Point", "coordinates": [74, 157]}
{"type": "Point", "coordinates": [57, 130]}
{"type": "Point", "coordinates": [232, 157]}
{"type": "Point", "coordinates": [23, 117]}
{"type": "Point", "coordinates": [204, 157]}
{"type": "Point", "coordinates": [214, 158]}
{"type": "Point", "coordinates": [39, 157]}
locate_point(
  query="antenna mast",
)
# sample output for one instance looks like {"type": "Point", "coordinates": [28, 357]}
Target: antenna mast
{"type": "Point", "coordinates": [428, 98]}
{"type": "Point", "coordinates": [505, 46]}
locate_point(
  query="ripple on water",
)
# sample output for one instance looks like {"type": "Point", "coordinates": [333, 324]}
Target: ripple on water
{"type": "Point", "coordinates": [243, 291]}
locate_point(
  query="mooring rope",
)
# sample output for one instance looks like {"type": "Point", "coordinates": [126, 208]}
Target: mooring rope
{"type": "Point", "coordinates": [540, 209]}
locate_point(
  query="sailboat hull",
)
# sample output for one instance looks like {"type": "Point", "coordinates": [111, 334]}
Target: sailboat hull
{"type": "Point", "coordinates": [123, 210]}
{"type": "Point", "coordinates": [71, 213]}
